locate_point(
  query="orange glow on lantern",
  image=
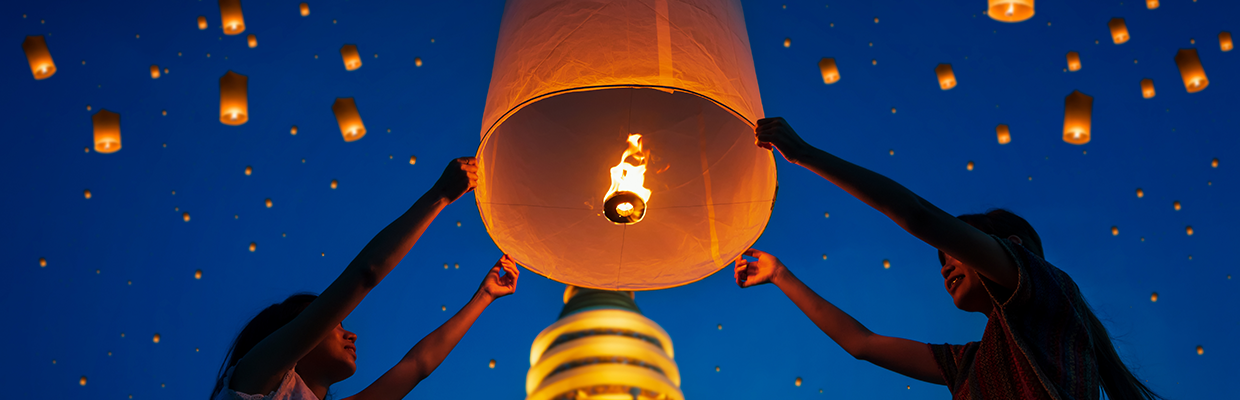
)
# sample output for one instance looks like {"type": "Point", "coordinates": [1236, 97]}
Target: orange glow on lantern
{"type": "Point", "coordinates": [251, 40]}
{"type": "Point", "coordinates": [1224, 41]}
{"type": "Point", "coordinates": [1010, 10]}
{"type": "Point", "coordinates": [1140, 193]}
{"type": "Point", "coordinates": [1154, 297]}
{"type": "Point", "coordinates": [947, 78]}
{"type": "Point", "coordinates": [154, 72]}
{"type": "Point", "coordinates": [1114, 231]}
{"type": "Point", "coordinates": [349, 119]}
{"type": "Point", "coordinates": [185, 216]}
{"type": "Point", "coordinates": [1191, 70]}
{"type": "Point", "coordinates": [253, 246]}
{"type": "Point", "coordinates": [417, 61]}
{"type": "Point", "coordinates": [107, 131]}
{"type": "Point", "coordinates": [230, 17]}
{"type": "Point", "coordinates": [268, 203]}
{"type": "Point", "coordinates": [1176, 205]}
{"type": "Point", "coordinates": [234, 99]}
{"type": "Point", "coordinates": [830, 72]}
{"type": "Point", "coordinates": [1188, 230]}
{"type": "Point", "coordinates": [202, 22]}
{"type": "Point", "coordinates": [1077, 116]}
{"type": "Point", "coordinates": [198, 274]}
{"type": "Point", "coordinates": [1074, 61]}
{"type": "Point", "coordinates": [352, 60]}
{"type": "Point", "coordinates": [305, 9]}
{"type": "Point", "coordinates": [1119, 30]}
{"type": "Point", "coordinates": [155, 339]}
{"type": "Point", "coordinates": [1004, 135]}
{"type": "Point", "coordinates": [1147, 88]}
{"type": "Point", "coordinates": [39, 57]}
{"type": "Point", "coordinates": [1151, 4]}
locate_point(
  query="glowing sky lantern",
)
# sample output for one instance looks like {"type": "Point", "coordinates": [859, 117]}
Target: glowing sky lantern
{"type": "Point", "coordinates": [797, 382]}
{"type": "Point", "coordinates": [352, 60]}
{"type": "Point", "coordinates": [251, 40]}
{"type": "Point", "coordinates": [107, 126]}
{"type": "Point", "coordinates": [1191, 70]}
{"type": "Point", "coordinates": [491, 364]}
{"type": "Point", "coordinates": [39, 57]}
{"type": "Point", "coordinates": [947, 78]}
{"type": "Point", "coordinates": [268, 202]}
{"type": "Point", "coordinates": [562, 110]}
{"type": "Point", "coordinates": [1176, 205]}
{"type": "Point", "coordinates": [334, 184]}
{"type": "Point", "coordinates": [1214, 163]}
{"type": "Point", "coordinates": [1074, 61]}
{"type": "Point", "coordinates": [1188, 230]}
{"type": "Point", "coordinates": [1147, 88]}
{"type": "Point", "coordinates": [1077, 115]}
{"type": "Point", "coordinates": [886, 264]}
{"type": "Point", "coordinates": [234, 99]}
{"type": "Point", "coordinates": [347, 117]}
{"type": "Point", "coordinates": [969, 166]}
{"type": "Point", "coordinates": [202, 22]}
{"type": "Point", "coordinates": [1003, 133]}
{"type": "Point", "coordinates": [417, 61]}
{"type": "Point", "coordinates": [86, 194]}
{"type": "Point", "coordinates": [185, 216]}
{"type": "Point", "coordinates": [248, 170]}
{"type": "Point", "coordinates": [293, 131]}
{"type": "Point", "coordinates": [1010, 10]}
{"type": "Point", "coordinates": [253, 246]}
{"type": "Point", "coordinates": [1224, 41]}
{"type": "Point", "coordinates": [154, 72]}
{"type": "Point", "coordinates": [42, 262]}
{"type": "Point", "coordinates": [1140, 193]}
{"type": "Point", "coordinates": [1151, 4]}
{"type": "Point", "coordinates": [305, 9]}
{"type": "Point", "coordinates": [830, 72]}
{"type": "Point", "coordinates": [1154, 297]}
{"type": "Point", "coordinates": [82, 380]}
{"type": "Point", "coordinates": [1114, 231]}
{"type": "Point", "coordinates": [198, 274]}
{"type": "Point", "coordinates": [230, 17]}
{"type": "Point", "coordinates": [155, 339]}
{"type": "Point", "coordinates": [1200, 351]}
{"type": "Point", "coordinates": [1119, 30]}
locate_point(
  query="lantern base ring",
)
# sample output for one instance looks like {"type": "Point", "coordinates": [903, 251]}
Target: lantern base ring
{"type": "Point", "coordinates": [624, 208]}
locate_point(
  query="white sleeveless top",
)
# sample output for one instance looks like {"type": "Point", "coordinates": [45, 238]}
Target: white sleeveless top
{"type": "Point", "coordinates": [291, 388]}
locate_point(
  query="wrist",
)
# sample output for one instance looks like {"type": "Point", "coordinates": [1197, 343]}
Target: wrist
{"type": "Point", "coordinates": [781, 276]}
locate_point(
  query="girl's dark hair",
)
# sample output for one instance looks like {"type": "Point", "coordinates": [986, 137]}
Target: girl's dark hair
{"type": "Point", "coordinates": [263, 325]}
{"type": "Point", "coordinates": [1117, 381]}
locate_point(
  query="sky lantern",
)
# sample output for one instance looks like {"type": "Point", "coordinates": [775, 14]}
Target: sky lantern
{"type": "Point", "coordinates": [1077, 112]}
{"type": "Point", "coordinates": [185, 216]}
{"type": "Point", "coordinates": [155, 339]}
{"type": "Point", "coordinates": [42, 262]}
{"type": "Point", "coordinates": [1224, 41]}
{"type": "Point", "coordinates": [1119, 30]}
{"type": "Point", "coordinates": [655, 182]}
{"type": "Point", "coordinates": [352, 60]}
{"type": "Point", "coordinates": [1151, 4]}
{"type": "Point", "coordinates": [268, 202]}
{"type": "Point", "coordinates": [1154, 297]}
{"type": "Point", "coordinates": [82, 380]}
{"type": "Point", "coordinates": [305, 9]}
{"type": "Point", "coordinates": [154, 72]}
{"type": "Point", "coordinates": [253, 246]}
{"type": "Point", "coordinates": [350, 121]}
{"type": "Point", "coordinates": [830, 72]}
{"type": "Point", "coordinates": [886, 264]}
{"type": "Point", "coordinates": [1147, 88]}
{"type": "Point", "coordinates": [1191, 70]}
{"type": "Point", "coordinates": [1188, 230]}
{"type": "Point", "coordinates": [234, 99]}
{"type": "Point", "coordinates": [1200, 351]}
{"type": "Point", "coordinates": [39, 57]}
{"type": "Point", "coordinates": [334, 184]}
{"type": "Point", "coordinates": [1074, 61]}
{"type": "Point", "coordinates": [797, 382]}
{"type": "Point", "coordinates": [787, 42]}
{"type": "Point", "coordinates": [1140, 193]}
{"type": "Point", "coordinates": [1114, 231]}
{"type": "Point", "coordinates": [491, 364]}
{"type": "Point", "coordinates": [1004, 135]}
{"type": "Point", "coordinates": [198, 274]}
{"type": "Point", "coordinates": [417, 61]}
{"type": "Point", "coordinates": [947, 78]}
{"type": "Point", "coordinates": [202, 22]}
{"type": "Point", "coordinates": [1176, 205]}
{"type": "Point", "coordinates": [1010, 10]}
{"type": "Point", "coordinates": [230, 17]}
{"type": "Point", "coordinates": [251, 40]}
{"type": "Point", "coordinates": [969, 166]}
{"type": "Point", "coordinates": [248, 170]}
{"type": "Point", "coordinates": [1214, 163]}
{"type": "Point", "coordinates": [107, 131]}
{"type": "Point", "coordinates": [86, 194]}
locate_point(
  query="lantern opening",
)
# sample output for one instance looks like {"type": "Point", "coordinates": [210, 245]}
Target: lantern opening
{"type": "Point", "coordinates": [626, 199]}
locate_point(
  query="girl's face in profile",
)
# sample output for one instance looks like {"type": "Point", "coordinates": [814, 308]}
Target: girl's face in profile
{"type": "Point", "coordinates": [335, 357]}
{"type": "Point", "coordinates": [964, 285]}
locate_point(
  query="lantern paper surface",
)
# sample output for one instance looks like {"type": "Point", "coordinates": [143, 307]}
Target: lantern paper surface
{"type": "Point", "coordinates": [947, 78]}
{"type": "Point", "coordinates": [202, 22]}
{"type": "Point", "coordinates": [1077, 112]}
{"type": "Point", "coordinates": [107, 132]}
{"type": "Point", "coordinates": [1151, 4]}
{"type": "Point", "coordinates": [830, 72]}
{"type": "Point", "coordinates": [234, 99]}
{"type": "Point", "coordinates": [1119, 30]}
{"type": "Point", "coordinates": [1224, 41]}
{"type": "Point", "coordinates": [39, 57]}
{"type": "Point", "coordinates": [558, 115]}
{"type": "Point", "coordinates": [1191, 70]}
{"type": "Point", "coordinates": [1147, 88]}
{"type": "Point", "coordinates": [350, 121]}
{"type": "Point", "coordinates": [154, 72]}
{"type": "Point", "coordinates": [1004, 135]}
{"type": "Point", "coordinates": [1074, 61]}
{"type": "Point", "coordinates": [305, 9]}
{"type": "Point", "coordinates": [230, 17]}
{"type": "Point", "coordinates": [1010, 10]}
{"type": "Point", "coordinates": [352, 60]}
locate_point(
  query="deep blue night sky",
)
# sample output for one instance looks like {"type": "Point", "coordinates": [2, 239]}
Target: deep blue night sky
{"type": "Point", "coordinates": [120, 265]}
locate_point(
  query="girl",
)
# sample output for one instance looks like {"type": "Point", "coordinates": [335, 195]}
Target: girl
{"type": "Point", "coordinates": [296, 349]}
{"type": "Point", "coordinates": [1042, 340]}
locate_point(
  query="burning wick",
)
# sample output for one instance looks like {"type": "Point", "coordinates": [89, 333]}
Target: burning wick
{"type": "Point", "coordinates": [625, 202]}
{"type": "Point", "coordinates": [1011, 9]}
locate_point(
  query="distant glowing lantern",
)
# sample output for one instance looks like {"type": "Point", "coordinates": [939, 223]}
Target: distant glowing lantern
{"type": "Point", "coordinates": [1003, 133]}
{"type": "Point", "coordinates": [1154, 297]}
{"type": "Point", "coordinates": [1119, 30]}
{"type": "Point", "coordinates": [202, 22]}
{"type": "Point", "coordinates": [797, 382]}
{"type": "Point", "coordinates": [293, 131]}
{"type": "Point", "coordinates": [1074, 61]}
{"type": "Point", "coordinates": [305, 9]}
{"type": "Point", "coordinates": [491, 364]}
{"type": "Point", "coordinates": [969, 166]}
{"type": "Point", "coordinates": [1151, 4]}
{"type": "Point", "coordinates": [82, 380]}
{"type": "Point", "coordinates": [947, 78]}
{"type": "Point", "coordinates": [248, 170]}
{"type": "Point", "coordinates": [230, 17]}
{"type": "Point", "coordinates": [253, 246]}
{"type": "Point", "coordinates": [347, 117]}
{"type": "Point", "coordinates": [107, 126]}
{"type": "Point", "coordinates": [154, 72]}
{"type": "Point", "coordinates": [42, 262]}
{"type": "Point", "coordinates": [155, 339]}
{"type": "Point", "coordinates": [268, 202]}
{"type": "Point", "coordinates": [413, 160]}
{"type": "Point", "coordinates": [352, 60]}
{"type": "Point", "coordinates": [1010, 10]}
{"type": "Point", "coordinates": [1176, 205]}
{"type": "Point", "coordinates": [787, 42]}
{"type": "Point", "coordinates": [1140, 193]}
{"type": "Point", "coordinates": [86, 194]}
{"type": "Point", "coordinates": [1188, 230]}
{"type": "Point", "coordinates": [1077, 114]}
{"type": "Point", "coordinates": [1224, 41]}
{"type": "Point", "coordinates": [1200, 351]}
{"type": "Point", "coordinates": [251, 40]}
{"type": "Point", "coordinates": [334, 183]}
{"type": "Point", "coordinates": [417, 61]}
{"type": "Point", "coordinates": [234, 99]}
{"type": "Point", "coordinates": [198, 274]}
{"type": "Point", "coordinates": [1147, 88]}
{"type": "Point", "coordinates": [886, 264]}
{"type": "Point", "coordinates": [185, 216]}
{"type": "Point", "coordinates": [830, 73]}
{"type": "Point", "coordinates": [39, 57]}
{"type": "Point", "coordinates": [1214, 163]}
{"type": "Point", "coordinates": [1191, 70]}
{"type": "Point", "coordinates": [1114, 231]}
{"type": "Point", "coordinates": [688, 88]}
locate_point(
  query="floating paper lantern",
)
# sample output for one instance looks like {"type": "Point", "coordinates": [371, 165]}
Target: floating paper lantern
{"type": "Point", "coordinates": [251, 40]}
{"type": "Point", "coordinates": [1154, 297]}
{"type": "Point", "coordinates": [1119, 30]}
{"type": "Point", "coordinates": [347, 117]}
{"type": "Point", "coordinates": [886, 264]}
{"type": "Point", "coordinates": [413, 160]}
{"type": "Point", "coordinates": [154, 72]}
{"type": "Point", "coordinates": [334, 186]}
{"type": "Point", "coordinates": [1176, 205]}
{"type": "Point", "coordinates": [155, 339]}
{"type": "Point", "coordinates": [305, 9]}
{"type": "Point", "coordinates": [1151, 4]}
{"type": "Point", "coordinates": [947, 78]}
{"type": "Point", "coordinates": [86, 194]}
{"type": "Point", "coordinates": [82, 380]}
{"type": "Point", "coordinates": [352, 60]}
{"type": "Point", "coordinates": [797, 382]}
{"type": "Point", "coordinates": [230, 17]}
{"type": "Point", "coordinates": [253, 246]}
{"type": "Point", "coordinates": [417, 61]}
{"type": "Point", "coordinates": [293, 131]}
{"type": "Point", "coordinates": [1214, 163]}
{"type": "Point", "coordinates": [202, 22]}
{"type": "Point", "coordinates": [1010, 10]}
{"type": "Point", "coordinates": [1077, 113]}
{"type": "Point", "coordinates": [42, 262]}
{"type": "Point", "coordinates": [198, 274]}
{"type": "Point", "coordinates": [268, 202]}
{"type": "Point", "coordinates": [1200, 351]}
{"type": "Point", "coordinates": [39, 57]}
{"type": "Point", "coordinates": [686, 85]}
{"type": "Point", "coordinates": [1140, 193]}
{"type": "Point", "coordinates": [248, 170]}
{"type": "Point", "coordinates": [1188, 230]}
{"type": "Point", "coordinates": [185, 216]}
{"type": "Point", "coordinates": [787, 42]}
{"type": "Point", "coordinates": [830, 73]}
{"type": "Point", "coordinates": [1074, 61]}
{"type": "Point", "coordinates": [107, 126]}
{"type": "Point", "coordinates": [1224, 41]}
{"type": "Point", "coordinates": [1114, 231]}
{"type": "Point", "coordinates": [1191, 70]}
{"type": "Point", "coordinates": [491, 364]}
{"type": "Point", "coordinates": [234, 99]}
{"type": "Point", "coordinates": [1003, 134]}
{"type": "Point", "coordinates": [969, 166]}
{"type": "Point", "coordinates": [1147, 88]}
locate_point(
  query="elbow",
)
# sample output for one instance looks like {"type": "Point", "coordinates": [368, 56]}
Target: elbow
{"type": "Point", "coordinates": [918, 215]}
{"type": "Point", "coordinates": [858, 348]}
{"type": "Point", "coordinates": [369, 275]}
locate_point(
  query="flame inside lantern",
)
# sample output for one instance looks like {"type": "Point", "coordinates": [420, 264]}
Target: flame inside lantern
{"type": "Point", "coordinates": [625, 202]}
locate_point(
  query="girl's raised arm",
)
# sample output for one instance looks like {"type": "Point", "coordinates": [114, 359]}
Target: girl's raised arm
{"type": "Point", "coordinates": [261, 369]}
{"type": "Point", "coordinates": [916, 215]}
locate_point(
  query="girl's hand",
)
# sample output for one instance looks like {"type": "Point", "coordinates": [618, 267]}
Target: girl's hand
{"type": "Point", "coordinates": [460, 177]}
{"type": "Point", "coordinates": [766, 269]}
{"type": "Point", "coordinates": [494, 285]}
{"type": "Point", "coordinates": [775, 132]}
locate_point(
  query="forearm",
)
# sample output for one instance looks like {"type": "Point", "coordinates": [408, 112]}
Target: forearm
{"type": "Point", "coordinates": [883, 194]}
{"type": "Point", "coordinates": [391, 244]}
{"type": "Point", "coordinates": [841, 327]}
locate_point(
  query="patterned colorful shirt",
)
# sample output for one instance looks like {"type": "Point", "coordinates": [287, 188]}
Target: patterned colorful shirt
{"type": "Point", "coordinates": [1036, 344]}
